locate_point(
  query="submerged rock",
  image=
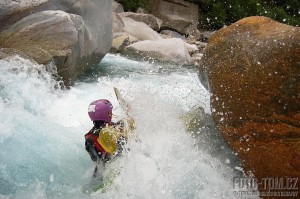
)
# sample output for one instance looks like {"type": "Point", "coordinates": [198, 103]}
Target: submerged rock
{"type": "Point", "coordinates": [253, 71]}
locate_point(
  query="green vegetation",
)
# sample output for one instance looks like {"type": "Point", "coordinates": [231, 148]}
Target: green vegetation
{"type": "Point", "coordinates": [217, 13]}
{"type": "Point", "coordinates": [133, 5]}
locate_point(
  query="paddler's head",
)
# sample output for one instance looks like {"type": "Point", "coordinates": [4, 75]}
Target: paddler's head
{"type": "Point", "coordinates": [100, 110]}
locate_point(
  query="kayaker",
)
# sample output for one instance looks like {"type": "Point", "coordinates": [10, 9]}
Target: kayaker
{"type": "Point", "coordinates": [106, 139]}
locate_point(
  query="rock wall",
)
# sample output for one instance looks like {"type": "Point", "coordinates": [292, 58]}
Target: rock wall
{"type": "Point", "coordinates": [253, 68]}
{"type": "Point", "coordinates": [75, 34]}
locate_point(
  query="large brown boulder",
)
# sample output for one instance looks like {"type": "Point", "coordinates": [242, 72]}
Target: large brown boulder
{"type": "Point", "coordinates": [253, 68]}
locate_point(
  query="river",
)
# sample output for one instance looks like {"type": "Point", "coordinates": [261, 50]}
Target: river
{"type": "Point", "coordinates": [42, 152]}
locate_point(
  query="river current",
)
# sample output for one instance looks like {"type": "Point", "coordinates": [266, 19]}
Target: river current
{"type": "Point", "coordinates": [42, 153]}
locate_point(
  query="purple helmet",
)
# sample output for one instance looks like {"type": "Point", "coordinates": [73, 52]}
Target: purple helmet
{"type": "Point", "coordinates": [100, 110]}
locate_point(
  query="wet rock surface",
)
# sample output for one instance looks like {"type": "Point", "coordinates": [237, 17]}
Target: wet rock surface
{"type": "Point", "coordinates": [75, 34]}
{"type": "Point", "coordinates": [253, 72]}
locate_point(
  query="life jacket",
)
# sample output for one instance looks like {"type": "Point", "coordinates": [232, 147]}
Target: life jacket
{"type": "Point", "coordinates": [107, 141]}
{"type": "Point", "coordinates": [91, 136]}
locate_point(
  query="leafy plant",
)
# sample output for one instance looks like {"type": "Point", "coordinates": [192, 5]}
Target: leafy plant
{"type": "Point", "coordinates": [216, 13]}
{"type": "Point", "coordinates": [133, 5]}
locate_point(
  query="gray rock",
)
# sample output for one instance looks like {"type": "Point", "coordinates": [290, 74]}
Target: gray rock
{"type": "Point", "coordinates": [132, 39]}
{"type": "Point", "coordinates": [196, 58]}
{"type": "Point", "coordinates": [139, 30]}
{"type": "Point", "coordinates": [94, 25]}
{"type": "Point", "coordinates": [142, 11]}
{"type": "Point", "coordinates": [13, 11]}
{"type": "Point", "coordinates": [206, 35]}
{"type": "Point", "coordinates": [9, 52]}
{"type": "Point", "coordinates": [49, 35]}
{"type": "Point", "coordinates": [152, 21]}
{"type": "Point", "coordinates": [170, 50]}
{"type": "Point", "coordinates": [117, 7]}
{"type": "Point", "coordinates": [201, 46]}
{"type": "Point", "coordinates": [177, 14]}
{"type": "Point", "coordinates": [172, 34]}
{"type": "Point", "coordinates": [191, 48]}
{"type": "Point", "coordinates": [120, 40]}
{"type": "Point", "coordinates": [117, 23]}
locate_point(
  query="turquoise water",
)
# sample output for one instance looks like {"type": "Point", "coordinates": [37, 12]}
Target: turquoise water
{"type": "Point", "coordinates": [42, 152]}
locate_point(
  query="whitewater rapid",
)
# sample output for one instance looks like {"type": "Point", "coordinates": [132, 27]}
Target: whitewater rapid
{"type": "Point", "coordinates": [42, 152]}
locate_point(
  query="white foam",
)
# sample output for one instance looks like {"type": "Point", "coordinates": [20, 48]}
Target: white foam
{"type": "Point", "coordinates": [42, 135]}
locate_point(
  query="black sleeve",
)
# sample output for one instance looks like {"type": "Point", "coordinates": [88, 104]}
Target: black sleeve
{"type": "Point", "coordinates": [89, 147]}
